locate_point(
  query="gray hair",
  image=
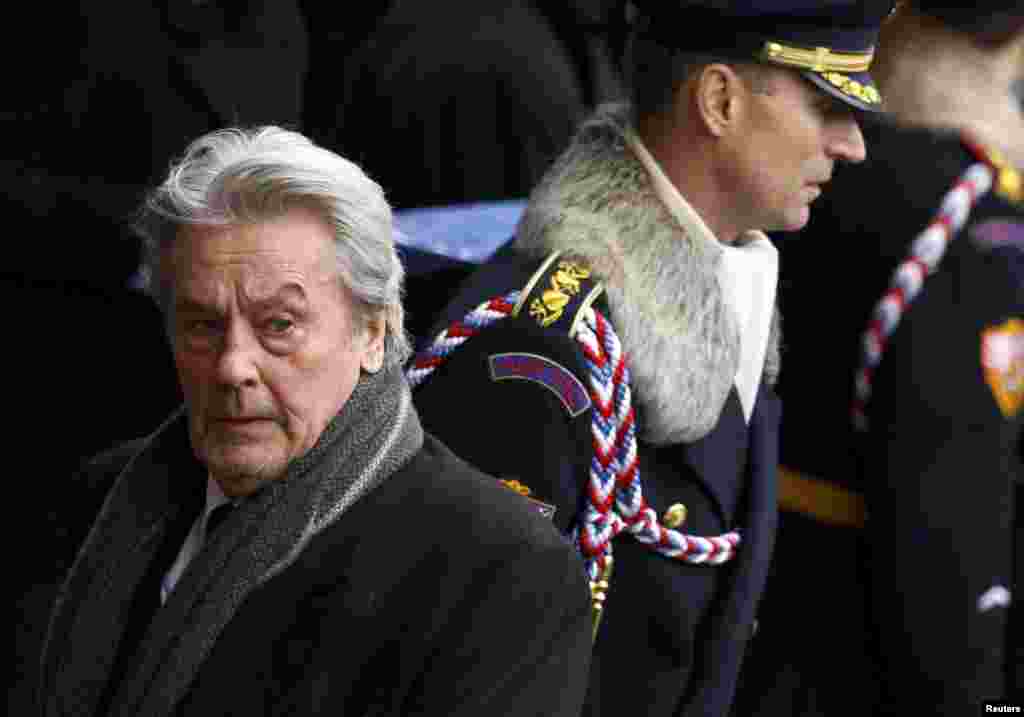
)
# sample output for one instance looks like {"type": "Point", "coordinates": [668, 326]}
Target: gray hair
{"type": "Point", "coordinates": [654, 70]}
{"type": "Point", "coordinates": [235, 175]}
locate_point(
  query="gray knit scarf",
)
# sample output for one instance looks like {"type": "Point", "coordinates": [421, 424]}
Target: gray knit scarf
{"type": "Point", "coordinates": [375, 433]}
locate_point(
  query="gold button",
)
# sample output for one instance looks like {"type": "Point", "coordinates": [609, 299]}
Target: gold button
{"type": "Point", "coordinates": [674, 516]}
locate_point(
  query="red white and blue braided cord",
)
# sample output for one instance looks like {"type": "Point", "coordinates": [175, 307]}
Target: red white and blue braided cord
{"type": "Point", "coordinates": [925, 254]}
{"type": "Point", "coordinates": [615, 496]}
{"type": "Point", "coordinates": [427, 360]}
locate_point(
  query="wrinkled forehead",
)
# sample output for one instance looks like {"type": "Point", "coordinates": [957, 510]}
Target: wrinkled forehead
{"type": "Point", "coordinates": [244, 289]}
{"type": "Point", "coordinates": [256, 261]}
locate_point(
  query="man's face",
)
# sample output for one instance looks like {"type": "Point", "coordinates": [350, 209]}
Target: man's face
{"type": "Point", "coordinates": [263, 340]}
{"type": "Point", "coordinates": [785, 149]}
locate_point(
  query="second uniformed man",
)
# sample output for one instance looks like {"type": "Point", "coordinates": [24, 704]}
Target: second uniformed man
{"type": "Point", "coordinates": [616, 359]}
{"type": "Point", "coordinates": [898, 565]}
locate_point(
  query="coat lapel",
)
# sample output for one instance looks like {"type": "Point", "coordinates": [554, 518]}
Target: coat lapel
{"type": "Point", "coordinates": [92, 612]}
{"type": "Point", "coordinates": [731, 623]}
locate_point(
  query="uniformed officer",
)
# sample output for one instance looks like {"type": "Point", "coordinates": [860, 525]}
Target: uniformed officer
{"type": "Point", "coordinates": [903, 386]}
{"type": "Point", "coordinates": [616, 360]}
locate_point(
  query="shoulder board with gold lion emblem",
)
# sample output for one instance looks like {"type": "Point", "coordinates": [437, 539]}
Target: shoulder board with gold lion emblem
{"type": "Point", "coordinates": [559, 294]}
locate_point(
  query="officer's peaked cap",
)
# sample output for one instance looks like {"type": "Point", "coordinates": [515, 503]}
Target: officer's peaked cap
{"type": "Point", "coordinates": [831, 42]}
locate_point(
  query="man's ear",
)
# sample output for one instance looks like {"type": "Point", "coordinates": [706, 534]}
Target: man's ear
{"type": "Point", "coordinates": [373, 347]}
{"type": "Point", "coordinates": [720, 95]}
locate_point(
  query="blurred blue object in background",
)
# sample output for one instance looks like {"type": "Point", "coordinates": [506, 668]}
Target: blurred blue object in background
{"type": "Point", "coordinates": [466, 232]}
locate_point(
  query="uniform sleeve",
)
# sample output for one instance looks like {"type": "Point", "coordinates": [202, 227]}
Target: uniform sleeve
{"type": "Point", "coordinates": [518, 427]}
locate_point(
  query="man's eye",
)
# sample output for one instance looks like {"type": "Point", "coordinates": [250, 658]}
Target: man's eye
{"type": "Point", "coordinates": [833, 109]}
{"type": "Point", "coordinates": [279, 325]}
{"type": "Point", "coordinates": [201, 326]}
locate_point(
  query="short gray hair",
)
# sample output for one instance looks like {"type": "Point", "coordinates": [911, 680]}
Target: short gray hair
{"type": "Point", "coordinates": [236, 175]}
{"type": "Point", "coordinates": [654, 69]}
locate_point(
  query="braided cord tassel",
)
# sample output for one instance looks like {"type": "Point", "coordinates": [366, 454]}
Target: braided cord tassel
{"type": "Point", "coordinates": [615, 497]}
{"type": "Point", "coordinates": [926, 252]}
{"type": "Point", "coordinates": [615, 491]}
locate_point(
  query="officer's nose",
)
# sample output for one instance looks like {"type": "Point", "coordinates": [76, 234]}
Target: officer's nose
{"type": "Point", "coordinates": [846, 142]}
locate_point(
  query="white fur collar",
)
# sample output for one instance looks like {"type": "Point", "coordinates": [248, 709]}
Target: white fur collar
{"type": "Point", "coordinates": [597, 203]}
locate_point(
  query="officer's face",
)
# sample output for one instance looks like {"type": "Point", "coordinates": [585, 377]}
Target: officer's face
{"type": "Point", "coordinates": [264, 342]}
{"type": "Point", "coordinates": [790, 137]}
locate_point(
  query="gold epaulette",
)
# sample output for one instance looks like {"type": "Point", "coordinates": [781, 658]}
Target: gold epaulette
{"type": "Point", "coordinates": [559, 294]}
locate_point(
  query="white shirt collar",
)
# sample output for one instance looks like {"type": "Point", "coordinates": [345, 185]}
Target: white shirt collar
{"type": "Point", "coordinates": [214, 495]}
{"type": "Point", "coordinates": [195, 539]}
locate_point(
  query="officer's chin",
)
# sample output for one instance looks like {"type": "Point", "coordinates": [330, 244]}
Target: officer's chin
{"type": "Point", "coordinates": [795, 219]}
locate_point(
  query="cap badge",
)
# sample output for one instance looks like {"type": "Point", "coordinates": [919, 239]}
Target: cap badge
{"type": "Point", "coordinates": [864, 93]}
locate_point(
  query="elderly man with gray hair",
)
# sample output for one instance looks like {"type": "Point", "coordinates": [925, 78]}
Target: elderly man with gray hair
{"type": "Point", "coordinates": [291, 541]}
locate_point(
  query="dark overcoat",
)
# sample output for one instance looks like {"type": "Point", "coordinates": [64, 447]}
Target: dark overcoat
{"type": "Point", "coordinates": [439, 592]}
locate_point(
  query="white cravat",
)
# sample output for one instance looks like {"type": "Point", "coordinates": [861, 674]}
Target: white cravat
{"type": "Point", "coordinates": [748, 277]}
{"type": "Point", "coordinates": [195, 540]}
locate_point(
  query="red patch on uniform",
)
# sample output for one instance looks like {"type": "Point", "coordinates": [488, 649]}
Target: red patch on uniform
{"type": "Point", "coordinates": [550, 374]}
{"type": "Point", "coordinates": [1002, 359]}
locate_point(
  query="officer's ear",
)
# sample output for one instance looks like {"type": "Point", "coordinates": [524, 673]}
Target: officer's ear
{"type": "Point", "coordinates": [720, 97]}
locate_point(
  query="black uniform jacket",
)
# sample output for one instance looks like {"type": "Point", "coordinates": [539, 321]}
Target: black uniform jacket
{"type": "Point", "coordinates": [896, 547]}
{"type": "Point", "coordinates": [672, 635]}
{"type": "Point", "coordinates": [439, 592]}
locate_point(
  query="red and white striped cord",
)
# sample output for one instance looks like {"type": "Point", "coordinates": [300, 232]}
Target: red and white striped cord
{"type": "Point", "coordinates": [925, 255]}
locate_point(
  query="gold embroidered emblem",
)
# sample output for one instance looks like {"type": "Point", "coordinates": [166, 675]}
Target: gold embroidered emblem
{"type": "Point", "coordinates": [565, 283]}
{"type": "Point", "coordinates": [864, 93]}
{"type": "Point", "coordinates": [1002, 359]}
{"type": "Point", "coordinates": [516, 486]}
{"type": "Point", "coordinates": [547, 510]}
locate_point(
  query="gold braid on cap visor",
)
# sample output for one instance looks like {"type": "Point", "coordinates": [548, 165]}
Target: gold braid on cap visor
{"type": "Point", "coordinates": [819, 59]}
{"type": "Point", "coordinates": [833, 66]}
